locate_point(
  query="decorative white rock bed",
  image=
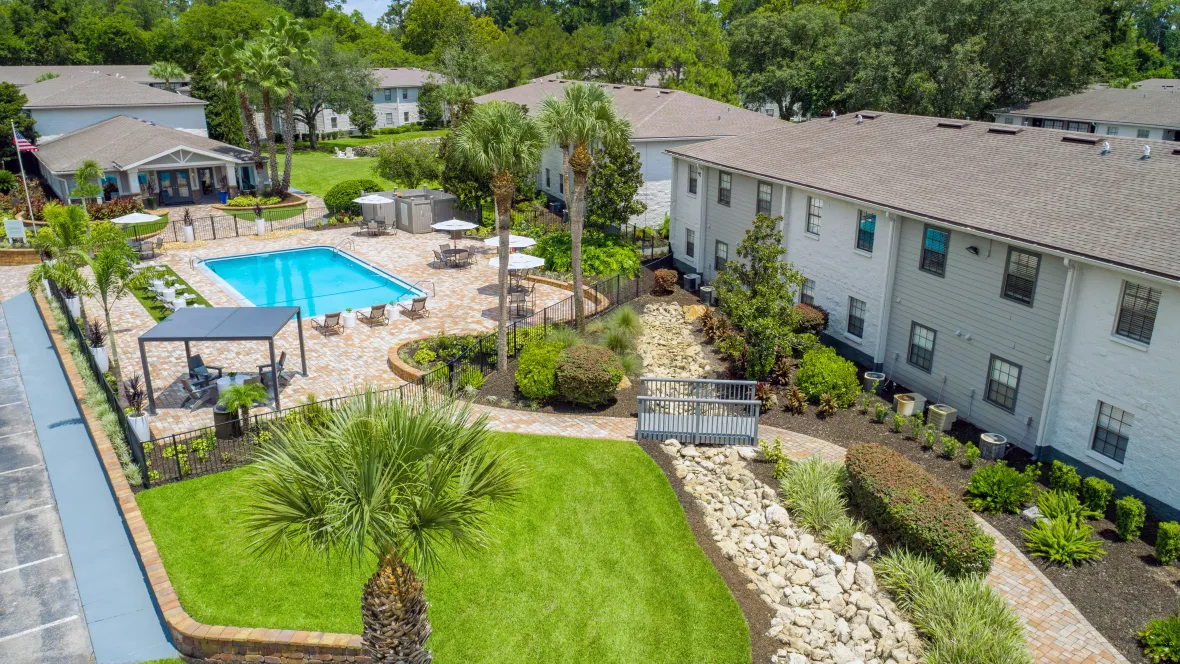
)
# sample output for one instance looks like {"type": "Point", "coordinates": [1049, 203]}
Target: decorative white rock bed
{"type": "Point", "coordinates": [667, 345]}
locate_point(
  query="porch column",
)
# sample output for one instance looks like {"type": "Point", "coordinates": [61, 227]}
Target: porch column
{"type": "Point", "coordinates": [133, 180]}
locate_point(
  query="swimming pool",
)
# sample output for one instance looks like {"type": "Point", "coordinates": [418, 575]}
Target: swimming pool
{"type": "Point", "coordinates": [319, 280]}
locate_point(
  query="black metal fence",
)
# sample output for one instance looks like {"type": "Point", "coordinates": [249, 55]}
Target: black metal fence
{"type": "Point", "coordinates": [221, 226]}
{"type": "Point", "coordinates": [217, 448]}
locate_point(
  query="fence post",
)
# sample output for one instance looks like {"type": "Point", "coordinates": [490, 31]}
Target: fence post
{"type": "Point", "coordinates": [176, 457]}
{"type": "Point", "coordinates": [213, 228]}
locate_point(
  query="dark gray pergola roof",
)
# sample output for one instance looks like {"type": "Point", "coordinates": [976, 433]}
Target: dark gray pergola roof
{"type": "Point", "coordinates": [223, 324]}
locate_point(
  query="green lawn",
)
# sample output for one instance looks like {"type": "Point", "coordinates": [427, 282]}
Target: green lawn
{"type": "Point", "coordinates": [595, 564]}
{"type": "Point", "coordinates": [317, 172]}
{"type": "Point", "coordinates": [270, 214]}
{"type": "Point", "coordinates": [145, 228]}
{"type": "Point", "coordinates": [354, 141]}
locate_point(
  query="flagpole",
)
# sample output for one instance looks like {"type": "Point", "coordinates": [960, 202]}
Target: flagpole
{"type": "Point", "coordinates": [25, 180]}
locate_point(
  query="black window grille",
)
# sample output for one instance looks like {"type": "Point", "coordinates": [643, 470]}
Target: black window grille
{"type": "Point", "coordinates": [690, 243]}
{"type": "Point", "coordinates": [856, 317]}
{"type": "Point", "coordinates": [934, 247]}
{"type": "Point", "coordinates": [724, 188]}
{"type": "Point", "coordinates": [1003, 382]}
{"type": "Point", "coordinates": [815, 208]}
{"type": "Point", "coordinates": [720, 255]}
{"type": "Point", "coordinates": [692, 179]}
{"type": "Point", "coordinates": [1112, 432]}
{"type": "Point", "coordinates": [547, 183]}
{"type": "Point", "coordinates": [921, 353]}
{"type": "Point", "coordinates": [807, 293]}
{"type": "Point", "coordinates": [764, 194]}
{"type": "Point", "coordinates": [1020, 276]}
{"type": "Point", "coordinates": [1137, 312]}
{"type": "Point", "coordinates": [866, 230]}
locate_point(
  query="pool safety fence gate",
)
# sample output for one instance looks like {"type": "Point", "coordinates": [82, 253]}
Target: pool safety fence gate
{"type": "Point", "coordinates": [222, 226]}
{"type": "Point", "coordinates": [698, 411]}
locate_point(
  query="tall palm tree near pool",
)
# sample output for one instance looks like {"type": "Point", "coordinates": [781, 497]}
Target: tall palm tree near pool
{"type": "Point", "coordinates": [292, 40]}
{"type": "Point", "coordinates": [581, 121]}
{"type": "Point", "coordinates": [264, 69]}
{"type": "Point", "coordinates": [500, 140]}
{"type": "Point", "coordinates": [229, 72]}
{"type": "Point", "coordinates": [401, 481]}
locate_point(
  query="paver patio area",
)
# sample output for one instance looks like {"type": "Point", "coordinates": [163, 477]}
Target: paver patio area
{"type": "Point", "coordinates": [465, 301]}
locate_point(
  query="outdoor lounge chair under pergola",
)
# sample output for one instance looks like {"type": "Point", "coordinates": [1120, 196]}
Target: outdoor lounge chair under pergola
{"type": "Point", "coordinates": [222, 324]}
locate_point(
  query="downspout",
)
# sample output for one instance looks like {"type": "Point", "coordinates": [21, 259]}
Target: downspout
{"type": "Point", "coordinates": [887, 292]}
{"type": "Point", "coordinates": [1066, 302]}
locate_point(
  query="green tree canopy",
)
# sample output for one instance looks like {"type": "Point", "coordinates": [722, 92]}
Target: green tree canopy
{"type": "Point", "coordinates": [612, 196]}
{"type": "Point", "coordinates": [687, 48]}
{"type": "Point", "coordinates": [12, 100]}
{"type": "Point", "coordinates": [409, 164]}
{"type": "Point", "coordinates": [336, 78]}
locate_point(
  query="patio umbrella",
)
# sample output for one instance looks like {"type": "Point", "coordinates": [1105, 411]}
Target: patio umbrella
{"type": "Point", "coordinates": [372, 199]}
{"type": "Point", "coordinates": [520, 262]}
{"type": "Point", "coordinates": [455, 226]}
{"type": "Point", "coordinates": [135, 218]}
{"type": "Point", "coordinates": [514, 241]}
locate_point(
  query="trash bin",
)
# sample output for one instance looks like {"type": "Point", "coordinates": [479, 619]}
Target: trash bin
{"type": "Point", "coordinates": [224, 196]}
{"type": "Point", "coordinates": [707, 295]}
{"type": "Point", "coordinates": [225, 424]}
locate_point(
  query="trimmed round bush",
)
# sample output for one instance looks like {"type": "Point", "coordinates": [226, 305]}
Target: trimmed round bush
{"type": "Point", "coordinates": [822, 370]}
{"type": "Point", "coordinates": [1064, 477]}
{"type": "Point", "coordinates": [588, 375]}
{"type": "Point", "coordinates": [665, 282]}
{"type": "Point", "coordinates": [812, 319]}
{"type": "Point", "coordinates": [1096, 494]}
{"type": "Point", "coordinates": [1167, 543]}
{"type": "Point", "coordinates": [1129, 515]}
{"type": "Point", "coordinates": [339, 197]}
{"type": "Point", "coordinates": [536, 373]}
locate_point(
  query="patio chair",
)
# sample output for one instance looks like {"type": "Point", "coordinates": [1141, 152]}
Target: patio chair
{"type": "Point", "coordinates": [375, 316]}
{"type": "Point", "coordinates": [463, 258]}
{"type": "Point", "coordinates": [519, 301]}
{"type": "Point", "coordinates": [373, 229]}
{"type": "Point", "coordinates": [198, 371]}
{"type": "Point", "coordinates": [330, 325]}
{"type": "Point", "coordinates": [349, 154]}
{"type": "Point", "coordinates": [146, 250]}
{"type": "Point", "coordinates": [264, 371]}
{"type": "Point", "coordinates": [438, 257]}
{"type": "Point", "coordinates": [417, 308]}
{"type": "Point", "coordinates": [196, 394]}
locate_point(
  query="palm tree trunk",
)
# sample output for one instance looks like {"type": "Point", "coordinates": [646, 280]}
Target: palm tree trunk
{"type": "Point", "coordinates": [503, 186]}
{"type": "Point", "coordinates": [111, 340]}
{"type": "Point", "coordinates": [269, 123]}
{"type": "Point", "coordinates": [249, 126]}
{"type": "Point", "coordinates": [393, 615]}
{"type": "Point", "coordinates": [581, 161]}
{"type": "Point", "coordinates": [289, 141]}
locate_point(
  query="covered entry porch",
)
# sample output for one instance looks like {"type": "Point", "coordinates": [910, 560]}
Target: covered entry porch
{"type": "Point", "coordinates": [185, 177]}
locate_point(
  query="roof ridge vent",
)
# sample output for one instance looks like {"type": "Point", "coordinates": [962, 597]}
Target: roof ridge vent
{"type": "Point", "coordinates": [953, 124]}
{"type": "Point", "coordinates": [666, 92]}
{"type": "Point", "coordinates": [1085, 139]}
{"type": "Point", "coordinates": [870, 115]}
{"type": "Point", "coordinates": [1007, 130]}
{"type": "Point", "coordinates": [638, 89]}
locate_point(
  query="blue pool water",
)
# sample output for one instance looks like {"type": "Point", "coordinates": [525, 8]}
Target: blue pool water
{"type": "Point", "coordinates": [319, 280]}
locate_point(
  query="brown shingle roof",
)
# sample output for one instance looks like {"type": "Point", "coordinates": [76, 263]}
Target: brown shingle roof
{"type": "Point", "coordinates": [1031, 186]}
{"type": "Point", "coordinates": [81, 89]}
{"type": "Point", "coordinates": [122, 141]}
{"type": "Point", "coordinates": [26, 74]}
{"type": "Point", "coordinates": [654, 113]}
{"type": "Point", "coordinates": [1152, 105]}
{"type": "Point", "coordinates": [400, 77]}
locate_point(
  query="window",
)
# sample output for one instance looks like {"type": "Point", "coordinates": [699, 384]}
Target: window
{"type": "Point", "coordinates": [547, 185]}
{"type": "Point", "coordinates": [770, 112]}
{"type": "Point", "coordinates": [1020, 276]}
{"type": "Point", "coordinates": [866, 230]}
{"type": "Point", "coordinates": [389, 119]}
{"type": "Point", "coordinates": [690, 243]}
{"type": "Point", "coordinates": [692, 179]}
{"type": "Point", "coordinates": [388, 94]}
{"type": "Point", "coordinates": [406, 116]}
{"type": "Point", "coordinates": [720, 255]}
{"type": "Point", "coordinates": [1112, 432]}
{"type": "Point", "coordinates": [1112, 131]}
{"type": "Point", "coordinates": [1137, 312]}
{"type": "Point", "coordinates": [1053, 124]}
{"type": "Point", "coordinates": [934, 251]}
{"type": "Point", "coordinates": [921, 353]}
{"type": "Point", "coordinates": [807, 294]}
{"type": "Point", "coordinates": [560, 183]}
{"type": "Point", "coordinates": [856, 317]}
{"type": "Point", "coordinates": [815, 208]}
{"type": "Point", "coordinates": [764, 193]}
{"type": "Point", "coordinates": [405, 93]}
{"type": "Point", "coordinates": [1143, 133]}
{"type": "Point", "coordinates": [1003, 380]}
{"type": "Point", "coordinates": [333, 121]}
{"type": "Point", "coordinates": [1083, 127]}
{"type": "Point", "coordinates": [1007, 120]}
{"type": "Point", "coordinates": [724, 185]}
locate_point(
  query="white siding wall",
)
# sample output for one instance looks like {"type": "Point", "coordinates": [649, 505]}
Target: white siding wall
{"type": "Point", "coordinates": [686, 210]}
{"type": "Point", "coordinates": [53, 122]}
{"type": "Point", "coordinates": [1095, 365]}
{"type": "Point", "coordinates": [550, 159]}
{"type": "Point", "coordinates": [1102, 128]}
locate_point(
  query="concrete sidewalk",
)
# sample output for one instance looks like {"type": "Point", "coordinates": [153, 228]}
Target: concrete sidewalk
{"type": "Point", "coordinates": [116, 606]}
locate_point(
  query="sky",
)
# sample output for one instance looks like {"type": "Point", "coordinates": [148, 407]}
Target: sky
{"type": "Point", "coordinates": [372, 9]}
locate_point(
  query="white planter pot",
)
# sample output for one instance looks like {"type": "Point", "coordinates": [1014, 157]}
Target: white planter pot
{"type": "Point", "coordinates": [904, 407]}
{"type": "Point", "coordinates": [260, 226]}
{"type": "Point", "coordinates": [74, 306]}
{"type": "Point", "coordinates": [140, 426]}
{"type": "Point", "coordinates": [45, 284]}
{"type": "Point", "coordinates": [188, 234]}
{"type": "Point", "coordinates": [349, 318]}
{"type": "Point", "coordinates": [100, 357]}
{"type": "Point", "coordinates": [170, 293]}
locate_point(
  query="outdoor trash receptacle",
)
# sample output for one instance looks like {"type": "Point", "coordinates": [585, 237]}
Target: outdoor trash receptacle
{"type": "Point", "coordinates": [225, 423]}
{"type": "Point", "coordinates": [224, 196]}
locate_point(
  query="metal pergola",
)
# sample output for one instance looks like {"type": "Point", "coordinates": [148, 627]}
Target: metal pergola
{"type": "Point", "coordinates": [223, 324]}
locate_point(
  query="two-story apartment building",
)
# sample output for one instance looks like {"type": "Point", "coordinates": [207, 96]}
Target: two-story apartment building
{"type": "Point", "coordinates": [950, 256]}
{"type": "Point", "coordinates": [660, 120]}
{"type": "Point", "coordinates": [1149, 111]}
{"type": "Point", "coordinates": [395, 101]}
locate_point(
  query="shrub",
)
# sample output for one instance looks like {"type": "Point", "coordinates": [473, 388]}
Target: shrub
{"type": "Point", "coordinates": [880, 412]}
{"type": "Point", "coordinates": [470, 377]}
{"type": "Point", "coordinates": [536, 373]}
{"type": "Point", "coordinates": [963, 621]}
{"type": "Point", "coordinates": [1064, 541]}
{"type": "Point", "coordinates": [1161, 639]}
{"type": "Point", "coordinates": [566, 336]}
{"type": "Point", "coordinates": [784, 368]}
{"type": "Point", "coordinates": [827, 405]}
{"type": "Point", "coordinates": [1129, 515]}
{"type": "Point", "coordinates": [7, 181]}
{"type": "Point", "coordinates": [1167, 543]}
{"type": "Point", "coordinates": [838, 534]}
{"type": "Point", "coordinates": [602, 254]}
{"type": "Point", "coordinates": [763, 393]}
{"type": "Point", "coordinates": [1000, 488]}
{"type": "Point", "coordinates": [822, 370]}
{"type": "Point", "coordinates": [339, 197]}
{"type": "Point", "coordinates": [812, 319]}
{"type": "Point", "coordinates": [949, 448]}
{"type": "Point", "coordinates": [1096, 494]}
{"type": "Point", "coordinates": [916, 510]}
{"type": "Point", "coordinates": [1064, 477]}
{"type": "Point", "coordinates": [970, 455]}
{"type": "Point", "coordinates": [813, 490]}
{"type": "Point", "coordinates": [665, 282]}
{"type": "Point", "coordinates": [424, 356]}
{"type": "Point", "coordinates": [796, 400]}
{"type": "Point", "coordinates": [1057, 504]}
{"type": "Point", "coordinates": [114, 208]}
{"type": "Point", "coordinates": [897, 423]}
{"type": "Point", "coordinates": [588, 375]}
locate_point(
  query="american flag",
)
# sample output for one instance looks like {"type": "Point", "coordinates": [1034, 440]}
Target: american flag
{"type": "Point", "coordinates": [22, 143]}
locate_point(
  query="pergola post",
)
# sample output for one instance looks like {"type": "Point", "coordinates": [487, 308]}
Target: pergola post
{"type": "Point", "coordinates": [274, 375]}
{"type": "Point", "coordinates": [302, 353]}
{"type": "Point", "coordinates": [147, 377]}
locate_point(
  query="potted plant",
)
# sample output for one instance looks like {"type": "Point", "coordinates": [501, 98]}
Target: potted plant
{"type": "Point", "coordinates": [189, 233]}
{"type": "Point", "coordinates": [96, 339]}
{"type": "Point", "coordinates": [349, 318]}
{"type": "Point", "coordinates": [239, 398]}
{"type": "Point", "coordinates": [136, 397]}
{"type": "Point", "coordinates": [259, 222]}
{"type": "Point", "coordinates": [73, 302]}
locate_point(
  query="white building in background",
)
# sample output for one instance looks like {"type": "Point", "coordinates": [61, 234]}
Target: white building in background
{"type": "Point", "coordinates": [395, 102]}
{"type": "Point", "coordinates": [948, 256]}
{"type": "Point", "coordinates": [1149, 111]}
{"type": "Point", "coordinates": [660, 119]}
{"type": "Point", "coordinates": [22, 75]}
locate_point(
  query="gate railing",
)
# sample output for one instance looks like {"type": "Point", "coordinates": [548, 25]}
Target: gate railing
{"type": "Point", "coordinates": [698, 411]}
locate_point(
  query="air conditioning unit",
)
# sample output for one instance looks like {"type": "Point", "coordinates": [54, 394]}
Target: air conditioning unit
{"type": "Point", "coordinates": [692, 282]}
{"type": "Point", "coordinates": [942, 416]}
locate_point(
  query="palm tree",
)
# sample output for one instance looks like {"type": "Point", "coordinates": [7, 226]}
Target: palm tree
{"type": "Point", "coordinates": [228, 72]}
{"type": "Point", "coordinates": [263, 68]}
{"type": "Point", "coordinates": [169, 71]}
{"type": "Point", "coordinates": [238, 399]}
{"type": "Point", "coordinates": [113, 276]}
{"type": "Point", "coordinates": [501, 142]}
{"type": "Point", "coordinates": [291, 39]}
{"type": "Point", "coordinates": [87, 181]}
{"type": "Point", "coordinates": [583, 120]}
{"type": "Point", "coordinates": [398, 480]}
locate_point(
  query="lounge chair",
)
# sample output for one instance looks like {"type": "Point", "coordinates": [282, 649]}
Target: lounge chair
{"type": "Point", "coordinates": [264, 370]}
{"type": "Point", "coordinates": [349, 154]}
{"type": "Point", "coordinates": [196, 394]}
{"type": "Point", "coordinates": [417, 308]}
{"type": "Point", "coordinates": [375, 316]}
{"type": "Point", "coordinates": [198, 371]}
{"type": "Point", "coordinates": [330, 325]}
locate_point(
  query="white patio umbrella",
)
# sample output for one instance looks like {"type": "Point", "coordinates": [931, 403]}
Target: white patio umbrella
{"type": "Point", "coordinates": [455, 227]}
{"type": "Point", "coordinates": [372, 199]}
{"type": "Point", "coordinates": [520, 262]}
{"type": "Point", "coordinates": [514, 241]}
{"type": "Point", "coordinates": [135, 218]}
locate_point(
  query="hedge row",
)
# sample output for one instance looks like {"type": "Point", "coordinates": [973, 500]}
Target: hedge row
{"type": "Point", "coordinates": [917, 511]}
